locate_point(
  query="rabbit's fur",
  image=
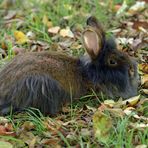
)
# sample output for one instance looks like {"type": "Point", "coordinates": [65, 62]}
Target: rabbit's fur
{"type": "Point", "coordinates": [47, 80]}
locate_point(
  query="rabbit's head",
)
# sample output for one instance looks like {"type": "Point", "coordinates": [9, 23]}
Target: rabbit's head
{"type": "Point", "coordinates": [109, 69]}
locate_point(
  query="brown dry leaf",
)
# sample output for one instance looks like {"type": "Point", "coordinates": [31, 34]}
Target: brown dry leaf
{"type": "Point", "coordinates": [52, 142]}
{"type": "Point", "coordinates": [33, 142]}
{"type": "Point", "coordinates": [6, 4]}
{"type": "Point", "coordinates": [143, 67]}
{"type": "Point", "coordinates": [102, 107]}
{"type": "Point", "coordinates": [6, 130]}
{"type": "Point", "coordinates": [66, 33]}
{"type": "Point", "coordinates": [66, 43]}
{"type": "Point", "coordinates": [28, 126]}
{"type": "Point", "coordinates": [113, 108]}
{"type": "Point", "coordinates": [144, 81]}
{"type": "Point", "coordinates": [46, 21]}
{"type": "Point", "coordinates": [27, 137]}
{"type": "Point", "coordinates": [4, 45]}
{"type": "Point", "coordinates": [53, 126]}
{"type": "Point", "coordinates": [102, 126]}
{"type": "Point", "coordinates": [116, 112]}
{"type": "Point", "coordinates": [117, 7]}
{"type": "Point", "coordinates": [11, 14]}
{"type": "Point", "coordinates": [54, 30]}
{"type": "Point", "coordinates": [71, 137]}
{"type": "Point", "coordinates": [137, 24]}
{"type": "Point", "coordinates": [20, 37]}
{"type": "Point", "coordinates": [85, 133]}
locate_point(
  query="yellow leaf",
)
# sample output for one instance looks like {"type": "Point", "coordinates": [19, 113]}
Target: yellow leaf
{"type": "Point", "coordinates": [144, 81]}
{"type": "Point", "coordinates": [46, 21]}
{"type": "Point", "coordinates": [20, 37]}
{"type": "Point", "coordinates": [143, 67]}
{"type": "Point", "coordinates": [109, 103]}
{"type": "Point", "coordinates": [145, 91]}
{"type": "Point", "coordinates": [66, 33]}
{"type": "Point", "coordinates": [54, 30]}
{"type": "Point", "coordinates": [102, 126]}
{"type": "Point", "coordinates": [4, 144]}
{"type": "Point", "coordinates": [132, 101]}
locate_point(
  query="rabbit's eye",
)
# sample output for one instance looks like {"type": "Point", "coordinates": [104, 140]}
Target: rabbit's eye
{"type": "Point", "coordinates": [112, 62]}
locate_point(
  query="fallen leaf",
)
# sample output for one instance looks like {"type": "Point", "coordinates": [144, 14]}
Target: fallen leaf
{"type": "Point", "coordinates": [11, 14]}
{"type": "Point", "coordinates": [4, 144]}
{"type": "Point", "coordinates": [85, 133]}
{"type": "Point", "coordinates": [138, 125]}
{"type": "Point", "coordinates": [91, 108]}
{"type": "Point", "coordinates": [4, 45]}
{"type": "Point", "coordinates": [129, 110]}
{"type": "Point", "coordinates": [46, 21]}
{"type": "Point", "coordinates": [32, 143]}
{"type": "Point", "coordinates": [141, 146]}
{"type": "Point", "coordinates": [52, 141]}
{"type": "Point", "coordinates": [143, 67]}
{"type": "Point", "coordinates": [27, 137]}
{"type": "Point", "coordinates": [145, 91]}
{"type": "Point", "coordinates": [5, 131]}
{"type": "Point", "coordinates": [30, 35]}
{"type": "Point", "coordinates": [3, 120]}
{"type": "Point", "coordinates": [139, 6]}
{"type": "Point", "coordinates": [102, 125]}
{"type": "Point", "coordinates": [117, 7]}
{"type": "Point", "coordinates": [131, 101]}
{"type": "Point", "coordinates": [144, 81]}
{"type": "Point", "coordinates": [122, 9]}
{"type": "Point", "coordinates": [71, 137]}
{"type": "Point", "coordinates": [6, 4]}
{"type": "Point", "coordinates": [28, 125]}
{"type": "Point", "coordinates": [20, 37]}
{"type": "Point", "coordinates": [137, 24]}
{"type": "Point", "coordinates": [66, 33]}
{"type": "Point", "coordinates": [54, 30]}
{"type": "Point", "coordinates": [109, 103]}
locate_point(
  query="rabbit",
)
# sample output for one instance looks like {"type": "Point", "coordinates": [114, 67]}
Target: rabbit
{"type": "Point", "coordinates": [48, 80]}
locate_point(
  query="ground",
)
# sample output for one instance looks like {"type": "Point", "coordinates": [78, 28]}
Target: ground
{"type": "Point", "coordinates": [37, 25]}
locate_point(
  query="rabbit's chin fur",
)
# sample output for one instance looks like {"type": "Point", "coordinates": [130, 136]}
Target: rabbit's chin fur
{"type": "Point", "coordinates": [113, 83]}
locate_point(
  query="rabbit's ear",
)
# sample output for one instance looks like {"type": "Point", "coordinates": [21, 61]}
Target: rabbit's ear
{"type": "Point", "coordinates": [92, 42]}
{"type": "Point", "coordinates": [94, 23]}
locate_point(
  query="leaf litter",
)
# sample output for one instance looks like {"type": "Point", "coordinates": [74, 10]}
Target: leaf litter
{"type": "Point", "coordinates": [94, 123]}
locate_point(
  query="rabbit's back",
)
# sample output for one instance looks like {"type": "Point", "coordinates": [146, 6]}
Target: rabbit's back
{"type": "Point", "coordinates": [43, 80]}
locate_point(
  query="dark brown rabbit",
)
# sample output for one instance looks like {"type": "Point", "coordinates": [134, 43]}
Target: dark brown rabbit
{"type": "Point", "coordinates": [47, 80]}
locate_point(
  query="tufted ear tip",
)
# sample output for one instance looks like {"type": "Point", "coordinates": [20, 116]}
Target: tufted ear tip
{"type": "Point", "coordinates": [92, 20]}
